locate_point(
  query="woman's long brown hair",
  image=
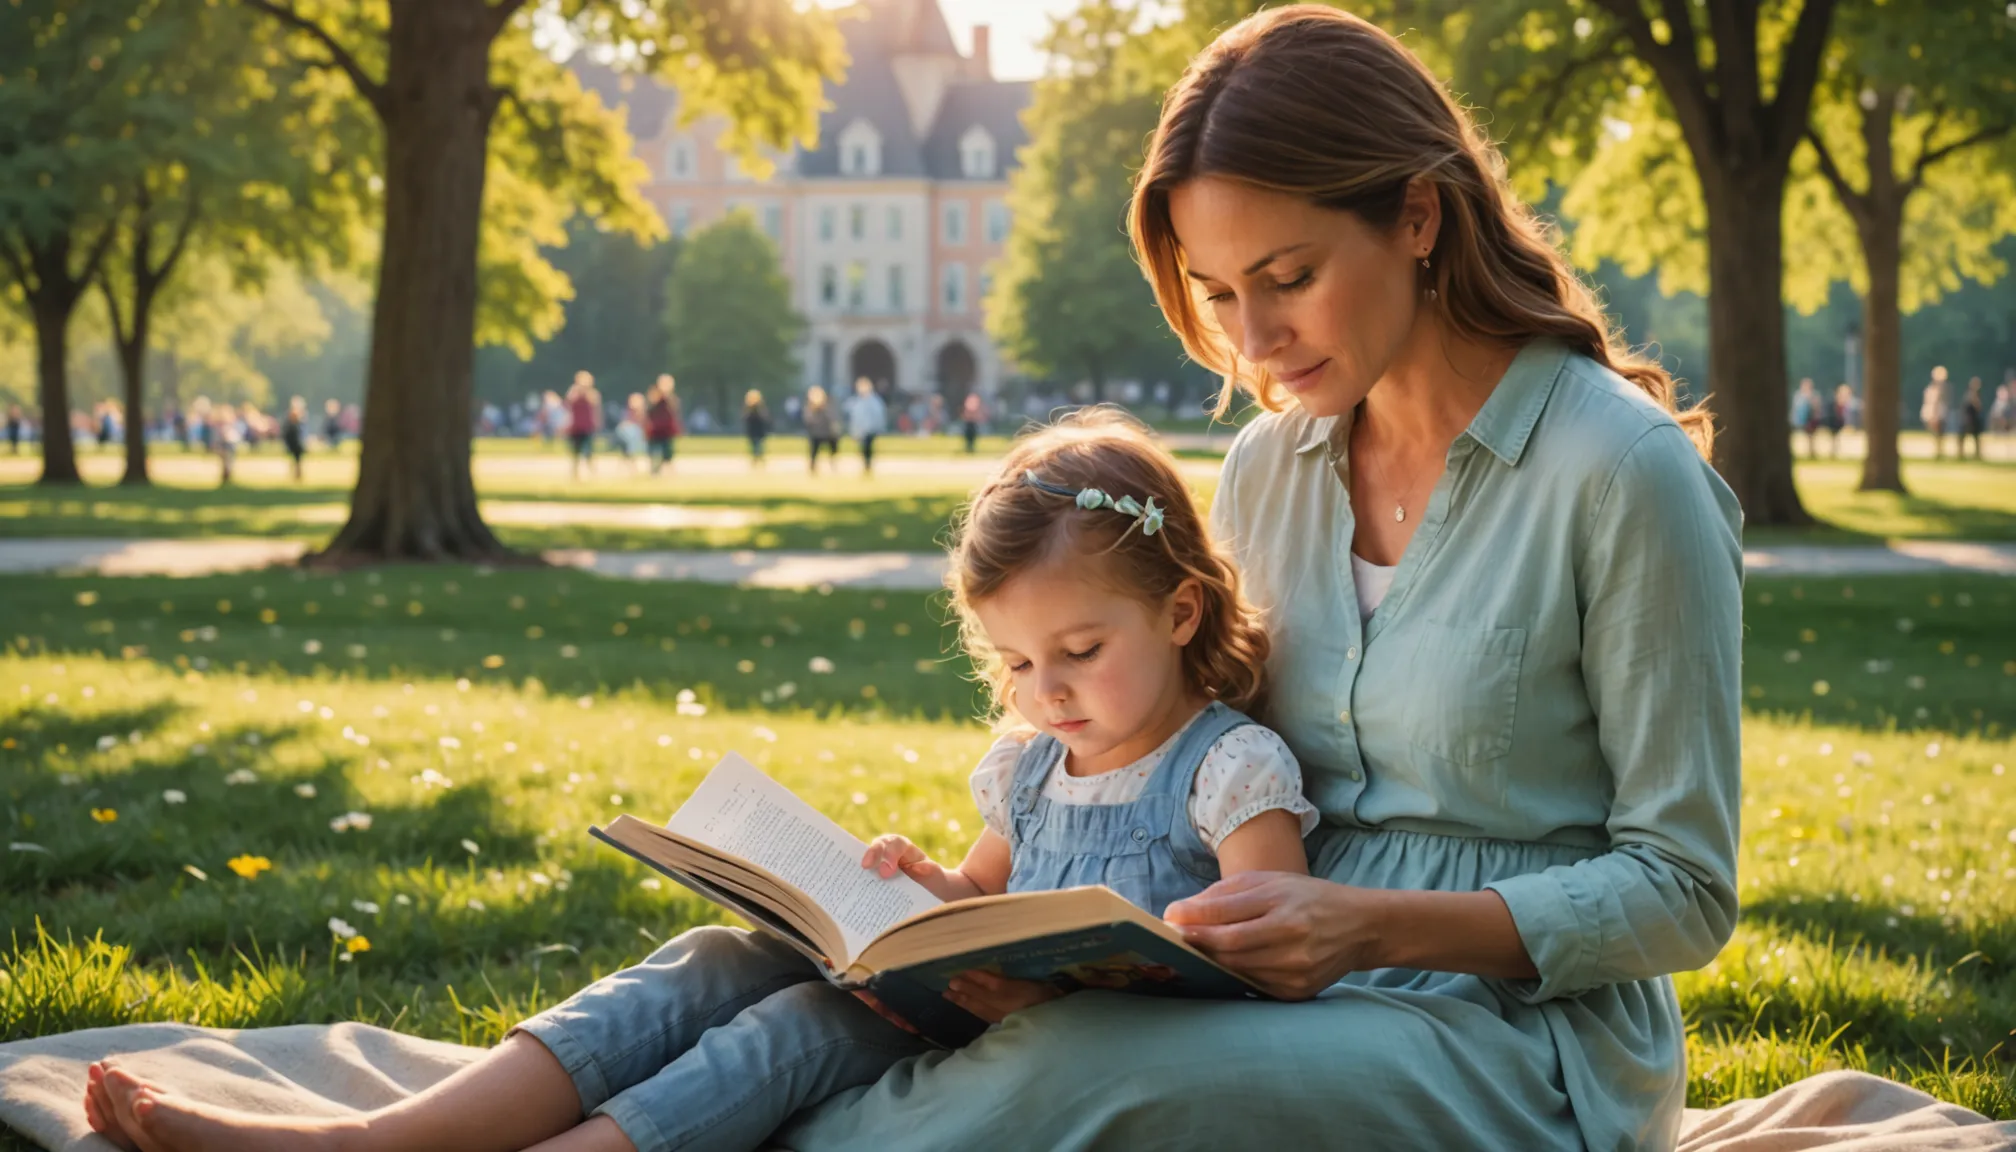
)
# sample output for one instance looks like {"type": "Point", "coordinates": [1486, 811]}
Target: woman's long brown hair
{"type": "Point", "coordinates": [1318, 103]}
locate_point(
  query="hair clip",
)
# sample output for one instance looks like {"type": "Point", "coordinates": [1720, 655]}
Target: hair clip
{"type": "Point", "coordinates": [1149, 517]}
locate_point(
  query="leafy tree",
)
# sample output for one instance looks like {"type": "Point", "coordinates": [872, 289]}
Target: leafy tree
{"type": "Point", "coordinates": [614, 325]}
{"type": "Point", "coordinates": [1731, 82]}
{"type": "Point", "coordinates": [1069, 300]}
{"type": "Point", "coordinates": [468, 208]}
{"type": "Point", "coordinates": [1915, 137]}
{"type": "Point", "coordinates": [70, 130]}
{"type": "Point", "coordinates": [728, 315]}
{"type": "Point", "coordinates": [231, 168]}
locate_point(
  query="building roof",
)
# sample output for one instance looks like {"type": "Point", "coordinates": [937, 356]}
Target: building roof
{"type": "Point", "coordinates": [995, 105]}
{"type": "Point", "coordinates": [884, 31]}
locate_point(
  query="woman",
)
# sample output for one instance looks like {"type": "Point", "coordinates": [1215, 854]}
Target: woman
{"type": "Point", "coordinates": [1973, 418]}
{"type": "Point", "coordinates": [662, 422]}
{"type": "Point", "coordinates": [867, 418]}
{"type": "Point", "coordinates": [822, 428]}
{"type": "Point", "coordinates": [1932, 412]}
{"type": "Point", "coordinates": [755, 425]}
{"type": "Point", "coordinates": [584, 419]}
{"type": "Point", "coordinates": [294, 433]}
{"type": "Point", "coordinates": [1504, 593]}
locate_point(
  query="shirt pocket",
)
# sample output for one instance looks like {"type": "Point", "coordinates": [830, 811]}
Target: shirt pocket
{"type": "Point", "coordinates": [1464, 691]}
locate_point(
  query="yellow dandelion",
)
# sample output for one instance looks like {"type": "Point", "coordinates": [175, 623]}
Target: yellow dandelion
{"type": "Point", "coordinates": [357, 944]}
{"type": "Point", "coordinates": [249, 867]}
{"type": "Point", "coordinates": [493, 661]}
{"type": "Point", "coordinates": [104, 815]}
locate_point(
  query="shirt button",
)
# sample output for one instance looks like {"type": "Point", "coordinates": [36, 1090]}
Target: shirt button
{"type": "Point", "coordinates": [1344, 717]}
{"type": "Point", "coordinates": [1140, 835]}
{"type": "Point", "coordinates": [1351, 653]}
{"type": "Point", "coordinates": [1355, 774]}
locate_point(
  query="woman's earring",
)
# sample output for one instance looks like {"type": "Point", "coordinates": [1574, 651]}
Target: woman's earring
{"type": "Point", "coordinates": [1432, 294]}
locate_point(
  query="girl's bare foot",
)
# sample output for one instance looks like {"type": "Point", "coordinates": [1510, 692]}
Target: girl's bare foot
{"type": "Point", "coordinates": [160, 1121]}
{"type": "Point", "coordinates": [98, 1110]}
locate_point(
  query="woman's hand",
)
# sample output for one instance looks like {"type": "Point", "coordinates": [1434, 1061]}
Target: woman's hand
{"type": "Point", "coordinates": [884, 1011]}
{"type": "Point", "coordinates": [1292, 935]}
{"type": "Point", "coordinates": [993, 998]}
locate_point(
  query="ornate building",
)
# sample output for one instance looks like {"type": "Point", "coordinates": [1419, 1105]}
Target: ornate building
{"type": "Point", "coordinates": [888, 228]}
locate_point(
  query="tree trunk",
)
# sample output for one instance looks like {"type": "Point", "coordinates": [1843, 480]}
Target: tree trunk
{"type": "Point", "coordinates": [1882, 324]}
{"type": "Point", "coordinates": [1746, 338]}
{"type": "Point", "coordinates": [414, 498]}
{"type": "Point", "coordinates": [52, 309]}
{"type": "Point", "coordinates": [133, 367]}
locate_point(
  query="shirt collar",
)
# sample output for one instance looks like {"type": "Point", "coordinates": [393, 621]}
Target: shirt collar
{"type": "Point", "coordinates": [1503, 425]}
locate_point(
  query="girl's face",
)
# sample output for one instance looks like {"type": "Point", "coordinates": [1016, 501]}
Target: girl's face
{"type": "Point", "coordinates": [1321, 299]}
{"type": "Point", "coordinates": [1099, 670]}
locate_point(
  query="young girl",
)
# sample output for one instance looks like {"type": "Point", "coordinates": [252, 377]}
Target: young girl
{"type": "Point", "coordinates": [1122, 652]}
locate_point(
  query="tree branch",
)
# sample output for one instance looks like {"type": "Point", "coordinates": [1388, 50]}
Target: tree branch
{"type": "Point", "coordinates": [1927, 159]}
{"type": "Point", "coordinates": [1799, 72]}
{"type": "Point", "coordinates": [1857, 203]}
{"type": "Point", "coordinates": [1556, 89]}
{"type": "Point", "coordinates": [372, 91]}
{"type": "Point", "coordinates": [98, 249]}
{"type": "Point", "coordinates": [183, 231]}
{"type": "Point", "coordinates": [17, 264]}
{"type": "Point", "coordinates": [1677, 67]}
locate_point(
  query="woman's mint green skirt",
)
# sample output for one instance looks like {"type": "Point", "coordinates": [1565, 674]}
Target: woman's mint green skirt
{"type": "Point", "coordinates": [1386, 1059]}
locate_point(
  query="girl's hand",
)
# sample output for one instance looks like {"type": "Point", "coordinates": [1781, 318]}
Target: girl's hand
{"type": "Point", "coordinates": [1292, 935]}
{"type": "Point", "coordinates": [890, 854]}
{"type": "Point", "coordinates": [993, 998]}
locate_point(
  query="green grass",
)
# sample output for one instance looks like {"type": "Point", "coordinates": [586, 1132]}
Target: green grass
{"type": "Point", "coordinates": [1878, 865]}
{"type": "Point", "coordinates": [715, 500]}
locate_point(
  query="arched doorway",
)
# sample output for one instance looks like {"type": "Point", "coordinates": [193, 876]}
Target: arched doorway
{"type": "Point", "coordinates": [957, 371]}
{"type": "Point", "coordinates": [873, 359]}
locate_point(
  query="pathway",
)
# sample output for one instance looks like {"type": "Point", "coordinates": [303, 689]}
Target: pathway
{"type": "Point", "coordinates": [894, 570]}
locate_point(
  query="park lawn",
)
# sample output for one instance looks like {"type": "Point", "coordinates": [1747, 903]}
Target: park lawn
{"type": "Point", "coordinates": [1878, 865]}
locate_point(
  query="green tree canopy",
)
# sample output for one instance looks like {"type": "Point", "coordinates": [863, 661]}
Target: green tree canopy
{"type": "Point", "coordinates": [728, 318]}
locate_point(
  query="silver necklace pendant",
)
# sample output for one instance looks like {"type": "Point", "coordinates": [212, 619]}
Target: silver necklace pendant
{"type": "Point", "coordinates": [1399, 514]}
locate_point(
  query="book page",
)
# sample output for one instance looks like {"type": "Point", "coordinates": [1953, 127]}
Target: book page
{"type": "Point", "coordinates": [739, 810]}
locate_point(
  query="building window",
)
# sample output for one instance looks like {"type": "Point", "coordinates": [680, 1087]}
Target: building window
{"type": "Point", "coordinates": [857, 286]}
{"type": "Point", "coordinates": [860, 150]}
{"type": "Point", "coordinates": [826, 351]}
{"type": "Point", "coordinates": [679, 160]}
{"type": "Point", "coordinates": [997, 221]}
{"type": "Point", "coordinates": [894, 225]}
{"type": "Point", "coordinates": [826, 222]}
{"type": "Point", "coordinates": [976, 154]}
{"type": "Point", "coordinates": [955, 288]}
{"type": "Point", "coordinates": [986, 284]}
{"type": "Point", "coordinates": [829, 285]}
{"type": "Point", "coordinates": [955, 223]}
{"type": "Point", "coordinates": [682, 218]}
{"type": "Point", "coordinates": [895, 287]}
{"type": "Point", "coordinates": [857, 222]}
{"type": "Point", "coordinates": [773, 222]}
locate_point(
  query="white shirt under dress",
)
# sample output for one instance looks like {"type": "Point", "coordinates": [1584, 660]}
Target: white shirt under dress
{"type": "Point", "coordinates": [1247, 772]}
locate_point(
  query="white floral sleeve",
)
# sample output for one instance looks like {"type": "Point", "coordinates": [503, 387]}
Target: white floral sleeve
{"type": "Point", "coordinates": [1248, 771]}
{"type": "Point", "coordinates": [993, 782]}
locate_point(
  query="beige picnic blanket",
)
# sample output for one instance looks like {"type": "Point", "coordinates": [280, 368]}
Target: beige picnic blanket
{"type": "Point", "coordinates": [327, 1069]}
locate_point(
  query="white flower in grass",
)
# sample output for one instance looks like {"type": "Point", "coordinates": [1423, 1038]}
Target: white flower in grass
{"type": "Point", "coordinates": [242, 776]}
{"type": "Point", "coordinates": [361, 821]}
{"type": "Point", "coordinates": [650, 884]}
{"type": "Point", "coordinates": [305, 790]}
{"type": "Point", "coordinates": [312, 648]}
{"type": "Point", "coordinates": [403, 900]}
{"type": "Point", "coordinates": [470, 847]}
{"type": "Point", "coordinates": [107, 743]}
{"type": "Point", "coordinates": [174, 796]}
{"type": "Point", "coordinates": [365, 906]}
{"type": "Point", "coordinates": [821, 665]}
{"type": "Point", "coordinates": [475, 905]}
{"type": "Point", "coordinates": [341, 928]}
{"type": "Point", "coordinates": [25, 846]}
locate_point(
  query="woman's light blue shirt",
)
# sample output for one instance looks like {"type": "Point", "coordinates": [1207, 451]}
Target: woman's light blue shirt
{"type": "Point", "coordinates": [1546, 704]}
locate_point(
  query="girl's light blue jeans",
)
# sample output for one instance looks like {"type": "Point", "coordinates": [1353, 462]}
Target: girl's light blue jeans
{"type": "Point", "coordinates": [714, 1040]}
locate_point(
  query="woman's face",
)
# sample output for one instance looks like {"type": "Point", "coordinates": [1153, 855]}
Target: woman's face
{"type": "Point", "coordinates": [1319, 298]}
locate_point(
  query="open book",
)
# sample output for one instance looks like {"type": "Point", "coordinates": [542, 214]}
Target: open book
{"type": "Point", "coordinates": [749, 844]}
